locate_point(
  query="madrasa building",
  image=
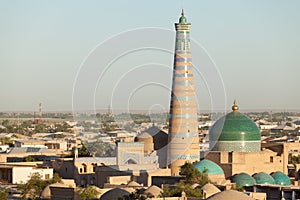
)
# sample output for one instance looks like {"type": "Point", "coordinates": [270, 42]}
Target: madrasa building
{"type": "Point", "coordinates": [237, 155]}
{"type": "Point", "coordinates": [235, 146]}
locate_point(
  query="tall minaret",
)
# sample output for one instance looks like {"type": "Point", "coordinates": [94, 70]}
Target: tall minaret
{"type": "Point", "coordinates": [183, 124]}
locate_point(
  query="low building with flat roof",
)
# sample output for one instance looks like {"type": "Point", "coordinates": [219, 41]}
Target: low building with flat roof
{"type": "Point", "coordinates": [21, 173]}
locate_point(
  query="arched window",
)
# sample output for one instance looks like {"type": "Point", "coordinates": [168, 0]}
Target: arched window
{"type": "Point", "coordinates": [94, 166]}
{"type": "Point", "coordinates": [84, 168]}
{"type": "Point", "coordinates": [130, 161]}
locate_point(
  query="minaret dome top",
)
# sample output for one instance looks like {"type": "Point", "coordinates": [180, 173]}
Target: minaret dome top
{"type": "Point", "coordinates": [182, 19]}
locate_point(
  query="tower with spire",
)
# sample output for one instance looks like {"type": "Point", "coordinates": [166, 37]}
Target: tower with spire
{"type": "Point", "coordinates": [183, 124]}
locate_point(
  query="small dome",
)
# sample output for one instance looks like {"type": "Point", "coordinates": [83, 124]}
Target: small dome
{"type": "Point", "coordinates": [211, 167]}
{"type": "Point", "coordinates": [230, 195]}
{"type": "Point", "coordinates": [46, 193]}
{"type": "Point", "coordinates": [116, 193]}
{"type": "Point", "coordinates": [182, 19]}
{"type": "Point", "coordinates": [243, 180]}
{"type": "Point", "coordinates": [281, 178]}
{"type": "Point", "coordinates": [144, 137]}
{"type": "Point", "coordinates": [133, 184]}
{"type": "Point", "coordinates": [153, 191]}
{"type": "Point", "coordinates": [160, 138]}
{"type": "Point", "coordinates": [210, 189]}
{"type": "Point", "coordinates": [263, 178]}
{"type": "Point", "coordinates": [233, 127]}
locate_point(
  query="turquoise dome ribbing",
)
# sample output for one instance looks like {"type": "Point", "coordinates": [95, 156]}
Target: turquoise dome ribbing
{"type": "Point", "coordinates": [263, 178]}
{"type": "Point", "coordinates": [281, 178]}
{"type": "Point", "coordinates": [234, 132]}
{"type": "Point", "coordinates": [211, 167]}
{"type": "Point", "coordinates": [243, 179]}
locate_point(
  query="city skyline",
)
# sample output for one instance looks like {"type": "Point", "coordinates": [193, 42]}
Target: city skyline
{"type": "Point", "coordinates": [44, 46]}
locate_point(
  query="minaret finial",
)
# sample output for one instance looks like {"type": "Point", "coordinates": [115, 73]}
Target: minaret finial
{"type": "Point", "coordinates": [235, 106]}
{"type": "Point", "coordinates": [182, 19]}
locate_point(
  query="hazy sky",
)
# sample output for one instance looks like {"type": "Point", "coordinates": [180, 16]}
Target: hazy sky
{"type": "Point", "coordinates": [255, 45]}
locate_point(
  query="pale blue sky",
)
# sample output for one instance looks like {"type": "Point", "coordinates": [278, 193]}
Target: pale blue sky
{"type": "Point", "coordinates": [255, 44]}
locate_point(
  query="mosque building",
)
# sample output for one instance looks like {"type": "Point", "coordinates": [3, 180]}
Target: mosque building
{"type": "Point", "coordinates": [237, 155]}
{"type": "Point", "coordinates": [235, 145]}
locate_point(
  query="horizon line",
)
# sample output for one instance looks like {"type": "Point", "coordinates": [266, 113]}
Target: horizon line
{"type": "Point", "coordinates": [119, 111]}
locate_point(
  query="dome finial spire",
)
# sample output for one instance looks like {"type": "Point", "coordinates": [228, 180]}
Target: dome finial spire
{"type": "Point", "coordinates": [182, 19]}
{"type": "Point", "coordinates": [235, 106]}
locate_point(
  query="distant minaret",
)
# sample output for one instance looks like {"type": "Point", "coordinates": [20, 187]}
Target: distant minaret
{"type": "Point", "coordinates": [183, 124]}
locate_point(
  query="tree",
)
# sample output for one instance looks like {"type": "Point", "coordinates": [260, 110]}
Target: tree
{"type": "Point", "coordinates": [83, 152]}
{"type": "Point", "coordinates": [293, 159]}
{"type": "Point", "coordinates": [5, 123]}
{"type": "Point", "coordinates": [89, 192]}
{"type": "Point", "coordinates": [62, 127]}
{"type": "Point", "coordinates": [192, 175]}
{"type": "Point", "coordinates": [35, 185]}
{"type": "Point", "coordinates": [40, 128]}
{"type": "Point", "coordinates": [177, 189]}
{"type": "Point", "coordinates": [3, 194]}
{"type": "Point", "coordinates": [100, 149]}
{"type": "Point", "coordinates": [6, 140]}
{"type": "Point", "coordinates": [137, 195]}
{"type": "Point", "coordinates": [55, 179]}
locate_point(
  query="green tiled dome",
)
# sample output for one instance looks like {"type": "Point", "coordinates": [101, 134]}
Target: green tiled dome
{"type": "Point", "coordinates": [234, 132]}
{"type": "Point", "coordinates": [243, 179]}
{"type": "Point", "coordinates": [264, 178]}
{"type": "Point", "coordinates": [234, 127]}
{"type": "Point", "coordinates": [182, 19]}
{"type": "Point", "coordinates": [212, 167]}
{"type": "Point", "coordinates": [281, 179]}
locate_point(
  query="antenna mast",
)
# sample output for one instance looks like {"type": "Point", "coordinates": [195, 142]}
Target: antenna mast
{"type": "Point", "coordinates": [40, 114]}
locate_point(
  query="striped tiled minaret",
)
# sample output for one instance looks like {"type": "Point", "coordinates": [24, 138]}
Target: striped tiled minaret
{"type": "Point", "coordinates": [183, 125]}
